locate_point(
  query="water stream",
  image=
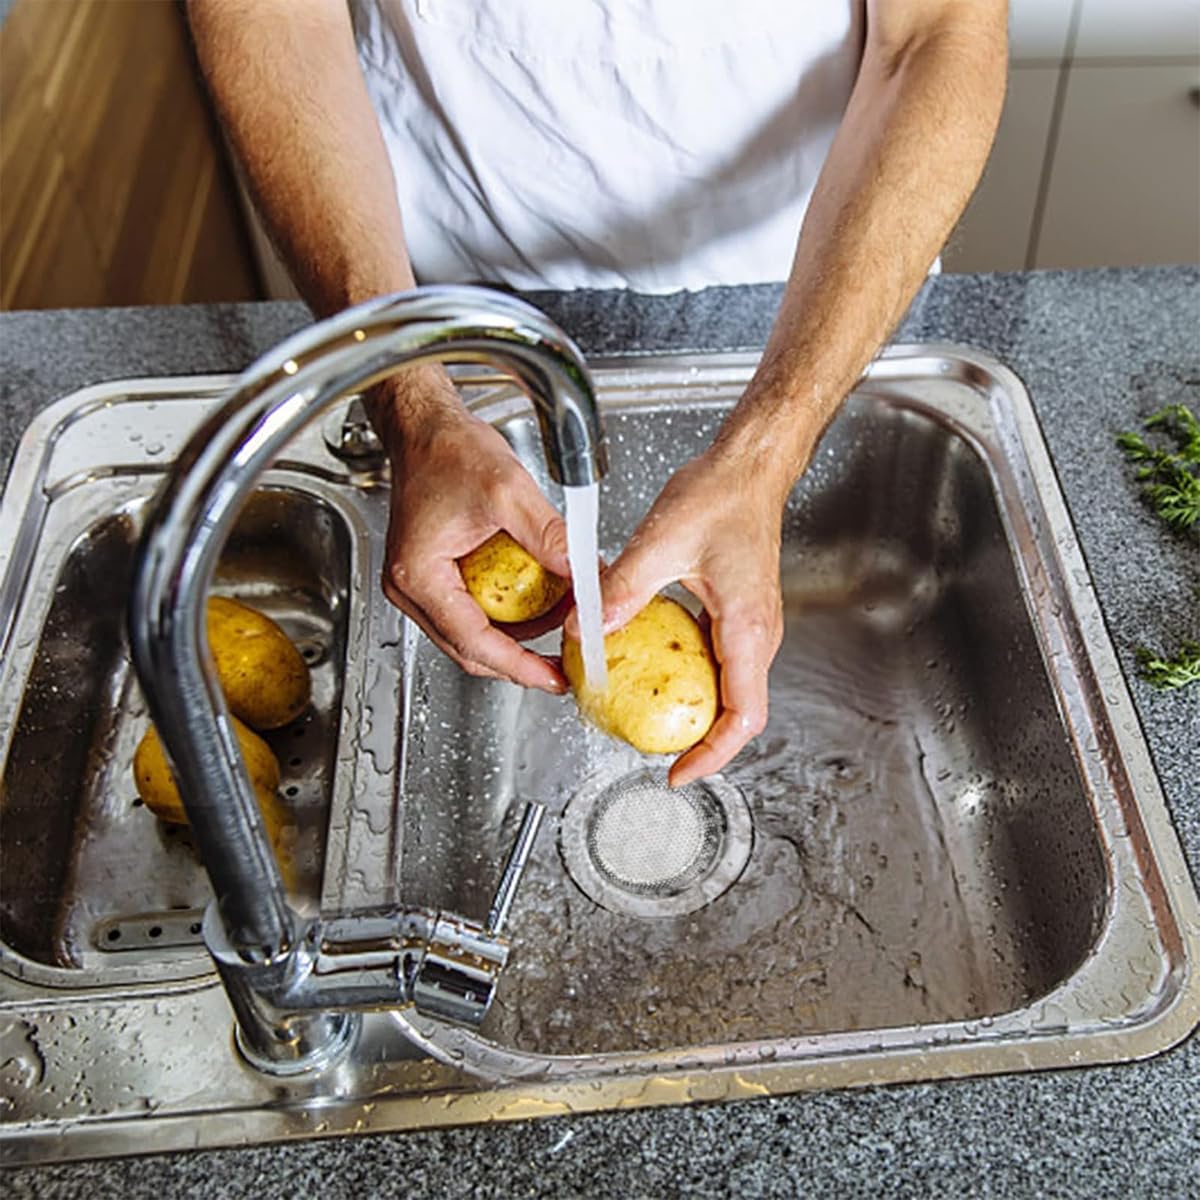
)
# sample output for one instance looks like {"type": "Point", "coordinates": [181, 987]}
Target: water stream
{"type": "Point", "coordinates": [583, 512]}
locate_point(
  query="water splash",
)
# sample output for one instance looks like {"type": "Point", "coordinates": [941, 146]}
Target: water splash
{"type": "Point", "coordinates": [583, 513]}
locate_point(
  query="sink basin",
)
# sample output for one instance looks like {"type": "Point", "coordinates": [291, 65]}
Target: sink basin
{"type": "Point", "coordinates": [947, 854]}
{"type": "Point", "coordinates": [923, 848]}
{"type": "Point", "coordinates": [93, 888]}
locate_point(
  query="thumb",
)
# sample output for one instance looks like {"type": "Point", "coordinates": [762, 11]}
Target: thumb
{"type": "Point", "coordinates": [625, 589]}
{"type": "Point", "coordinates": [536, 524]}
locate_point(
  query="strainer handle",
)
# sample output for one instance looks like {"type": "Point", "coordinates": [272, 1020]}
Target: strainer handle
{"type": "Point", "coordinates": [514, 867]}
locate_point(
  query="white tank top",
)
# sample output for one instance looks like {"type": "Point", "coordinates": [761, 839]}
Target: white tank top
{"type": "Point", "coordinates": [649, 144]}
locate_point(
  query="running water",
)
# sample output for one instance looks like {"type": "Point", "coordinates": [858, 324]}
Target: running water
{"type": "Point", "coordinates": [583, 514]}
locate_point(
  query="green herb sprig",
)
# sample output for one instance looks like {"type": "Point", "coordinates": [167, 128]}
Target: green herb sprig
{"type": "Point", "coordinates": [1170, 479]}
{"type": "Point", "coordinates": [1170, 482]}
{"type": "Point", "coordinates": [1174, 672]}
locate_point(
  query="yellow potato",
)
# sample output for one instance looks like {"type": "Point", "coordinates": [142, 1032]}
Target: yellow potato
{"type": "Point", "coordinates": [265, 681]}
{"type": "Point", "coordinates": [156, 783]}
{"type": "Point", "coordinates": [508, 583]}
{"type": "Point", "coordinates": [157, 788]}
{"type": "Point", "coordinates": [662, 680]}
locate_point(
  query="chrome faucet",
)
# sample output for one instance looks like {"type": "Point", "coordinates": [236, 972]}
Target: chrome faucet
{"type": "Point", "coordinates": [297, 984]}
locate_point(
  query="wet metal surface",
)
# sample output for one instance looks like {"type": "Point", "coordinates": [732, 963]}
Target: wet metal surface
{"type": "Point", "coordinates": [960, 861]}
{"type": "Point", "coordinates": [90, 875]}
{"type": "Point", "coordinates": [924, 846]}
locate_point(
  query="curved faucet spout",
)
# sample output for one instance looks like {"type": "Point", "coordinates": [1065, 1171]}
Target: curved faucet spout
{"type": "Point", "coordinates": [200, 500]}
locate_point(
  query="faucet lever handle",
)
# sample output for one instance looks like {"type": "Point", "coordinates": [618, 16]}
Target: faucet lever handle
{"type": "Point", "coordinates": [514, 867]}
{"type": "Point", "coordinates": [457, 974]}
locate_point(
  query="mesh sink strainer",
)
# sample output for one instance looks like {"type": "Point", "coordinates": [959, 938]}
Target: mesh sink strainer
{"type": "Point", "coordinates": [636, 846]}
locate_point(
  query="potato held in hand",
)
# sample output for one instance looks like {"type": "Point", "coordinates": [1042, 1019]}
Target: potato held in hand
{"type": "Point", "coordinates": [508, 583]}
{"type": "Point", "coordinates": [662, 680]}
{"type": "Point", "coordinates": [265, 681]}
{"type": "Point", "coordinates": [156, 784]}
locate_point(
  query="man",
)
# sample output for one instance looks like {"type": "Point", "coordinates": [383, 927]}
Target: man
{"type": "Point", "coordinates": [647, 143]}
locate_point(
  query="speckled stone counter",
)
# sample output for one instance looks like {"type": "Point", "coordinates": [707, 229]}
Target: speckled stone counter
{"type": "Point", "coordinates": [1098, 351]}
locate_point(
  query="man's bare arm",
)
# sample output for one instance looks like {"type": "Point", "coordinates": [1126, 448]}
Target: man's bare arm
{"type": "Point", "coordinates": [906, 158]}
{"type": "Point", "coordinates": [287, 83]}
{"type": "Point", "coordinates": [286, 80]}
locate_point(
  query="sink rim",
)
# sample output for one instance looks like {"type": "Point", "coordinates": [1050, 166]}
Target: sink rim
{"type": "Point", "coordinates": [437, 1095]}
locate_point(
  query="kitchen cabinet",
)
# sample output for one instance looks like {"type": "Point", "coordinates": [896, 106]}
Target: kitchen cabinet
{"type": "Point", "coordinates": [1097, 158]}
{"type": "Point", "coordinates": [114, 189]}
{"type": "Point", "coordinates": [1124, 184]}
{"type": "Point", "coordinates": [276, 280]}
{"type": "Point", "coordinates": [1120, 29]}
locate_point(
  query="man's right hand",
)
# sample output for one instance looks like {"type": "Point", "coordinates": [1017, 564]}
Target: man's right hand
{"type": "Point", "coordinates": [455, 482]}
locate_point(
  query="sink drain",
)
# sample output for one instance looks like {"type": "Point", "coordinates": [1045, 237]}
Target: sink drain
{"type": "Point", "coordinates": [638, 847]}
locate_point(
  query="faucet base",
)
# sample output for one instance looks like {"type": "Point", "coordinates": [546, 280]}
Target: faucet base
{"type": "Point", "coordinates": [276, 1040]}
{"type": "Point", "coordinates": [324, 1040]}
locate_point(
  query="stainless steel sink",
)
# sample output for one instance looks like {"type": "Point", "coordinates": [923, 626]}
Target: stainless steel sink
{"type": "Point", "coordinates": [948, 853]}
{"type": "Point", "coordinates": [96, 891]}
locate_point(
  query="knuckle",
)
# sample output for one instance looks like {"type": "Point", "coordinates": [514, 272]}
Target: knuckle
{"type": "Point", "coordinates": [775, 637]}
{"type": "Point", "coordinates": [616, 584]}
{"type": "Point", "coordinates": [752, 620]}
{"type": "Point", "coordinates": [505, 478]}
{"type": "Point", "coordinates": [466, 652]}
{"type": "Point", "coordinates": [402, 564]}
{"type": "Point", "coordinates": [458, 648]}
{"type": "Point", "coordinates": [754, 720]}
{"type": "Point", "coordinates": [397, 575]}
{"type": "Point", "coordinates": [554, 534]}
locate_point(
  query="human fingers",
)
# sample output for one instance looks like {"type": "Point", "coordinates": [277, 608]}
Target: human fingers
{"type": "Point", "coordinates": [442, 607]}
{"type": "Point", "coordinates": [419, 618]}
{"type": "Point", "coordinates": [526, 631]}
{"type": "Point", "coordinates": [627, 586]}
{"type": "Point", "coordinates": [745, 642]}
{"type": "Point", "coordinates": [525, 513]}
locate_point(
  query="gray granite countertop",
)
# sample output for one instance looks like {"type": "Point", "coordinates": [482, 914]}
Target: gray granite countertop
{"type": "Point", "coordinates": [1098, 351]}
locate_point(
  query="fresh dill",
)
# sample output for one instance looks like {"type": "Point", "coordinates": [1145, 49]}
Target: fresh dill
{"type": "Point", "coordinates": [1174, 672]}
{"type": "Point", "coordinates": [1170, 481]}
